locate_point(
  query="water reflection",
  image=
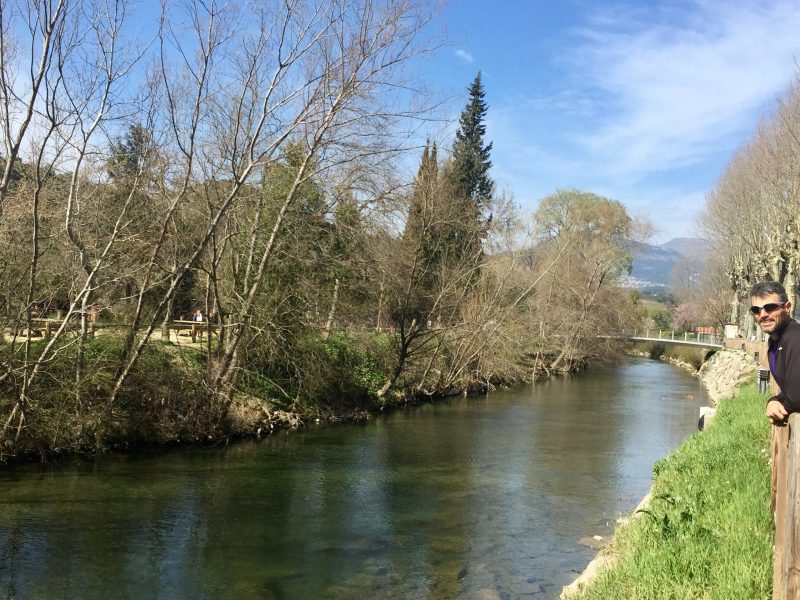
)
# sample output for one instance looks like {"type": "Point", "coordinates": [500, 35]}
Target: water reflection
{"type": "Point", "coordinates": [483, 497]}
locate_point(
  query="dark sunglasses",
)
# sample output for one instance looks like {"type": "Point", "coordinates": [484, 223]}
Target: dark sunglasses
{"type": "Point", "coordinates": [770, 308]}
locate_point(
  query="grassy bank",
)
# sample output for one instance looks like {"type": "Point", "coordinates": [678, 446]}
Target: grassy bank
{"type": "Point", "coordinates": [708, 531]}
{"type": "Point", "coordinates": [168, 395]}
{"type": "Point", "coordinates": [166, 398]}
{"type": "Point", "coordinates": [694, 357]}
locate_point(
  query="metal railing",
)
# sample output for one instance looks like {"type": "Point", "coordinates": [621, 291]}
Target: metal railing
{"type": "Point", "coordinates": [675, 337]}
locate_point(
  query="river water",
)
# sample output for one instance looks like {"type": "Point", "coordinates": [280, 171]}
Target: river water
{"type": "Point", "coordinates": [486, 497]}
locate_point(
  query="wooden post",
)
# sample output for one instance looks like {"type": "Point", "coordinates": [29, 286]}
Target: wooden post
{"type": "Point", "coordinates": [779, 447]}
{"type": "Point", "coordinates": [47, 329]}
{"type": "Point", "coordinates": [786, 506]}
{"type": "Point", "coordinates": [194, 332]}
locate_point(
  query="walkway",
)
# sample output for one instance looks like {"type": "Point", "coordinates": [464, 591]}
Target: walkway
{"type": "Point", "coordinates": [698, 340]}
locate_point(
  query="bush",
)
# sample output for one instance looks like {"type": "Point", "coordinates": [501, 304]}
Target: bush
{"type": "Point", "coordinates": [343, 372]}
{"type": "Point", "coordinates": [163, 400]}
{"type": "Point", "coordinates": [693, 356]}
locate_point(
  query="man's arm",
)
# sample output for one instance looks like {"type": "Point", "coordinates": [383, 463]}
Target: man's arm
{"type": "Point", "coordinates": [788, 400]}
{"type": "Point", "coordinates": [776, 410]}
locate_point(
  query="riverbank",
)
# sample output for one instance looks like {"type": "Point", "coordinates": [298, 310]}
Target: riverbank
{"type": "Point", "coordinates": [493, 487]}
{"type": "Point", "coordinates": [707, 532]}
{"type": "Point", "coordinates": [722, 372]}
{"type": "Point", "coordinates": [167, 399]}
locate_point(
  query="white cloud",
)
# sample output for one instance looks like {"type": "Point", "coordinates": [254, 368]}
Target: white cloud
{"type": "Point", "coordinates": [464, 55]}
{"type": "Point", "coordinates": [648, 104]}
{"type": "Point", "coordinates": [681, 91]}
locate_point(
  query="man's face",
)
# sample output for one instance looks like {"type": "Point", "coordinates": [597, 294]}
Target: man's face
{"type": "Point", "coordinates": [771, 320]}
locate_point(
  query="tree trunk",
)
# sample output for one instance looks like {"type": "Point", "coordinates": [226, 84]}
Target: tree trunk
{"type": "Point", "coordinates": [332, 313]}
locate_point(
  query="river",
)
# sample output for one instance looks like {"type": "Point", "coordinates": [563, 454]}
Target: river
{"type": "Point", "coordinates": [485, 497]}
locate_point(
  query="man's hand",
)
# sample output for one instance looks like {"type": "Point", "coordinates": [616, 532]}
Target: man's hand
{"type": "Point", "coordinates": [776, 411]}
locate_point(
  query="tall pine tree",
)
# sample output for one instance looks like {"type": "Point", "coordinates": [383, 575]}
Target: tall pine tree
{"type": "Point", "coordinates": [471, 162]}
{"type": "Point", "coordinates": [470, 187]}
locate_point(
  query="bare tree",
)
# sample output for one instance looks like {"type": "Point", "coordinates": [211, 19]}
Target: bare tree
{"type": "Point", "coordinates": [224, 89]}
{"type": "Point", "coordinates": [582, 298]}
{"type": "Point", "coordinates": [752, 214]}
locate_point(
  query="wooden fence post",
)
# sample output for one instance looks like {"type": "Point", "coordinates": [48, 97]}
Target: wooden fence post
{"type": "Point", "coordinates": [780, 444]}
{"type": "Point", "coordinates": [786, 507]}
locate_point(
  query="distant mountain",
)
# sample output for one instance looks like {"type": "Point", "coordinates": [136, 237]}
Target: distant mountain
{"type": "Point", "coordinates": [688, 246]}
{"type": "Point", "coordinates": [653, 264]}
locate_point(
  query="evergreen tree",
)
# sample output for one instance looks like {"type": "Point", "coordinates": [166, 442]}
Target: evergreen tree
{"type": "Point", "coordinates": [471, 164]}
{"type": "Point", "coordinates": [469, 188]}
{"type": "Point", "coordinates": [424, 234]}
{"type": "Point", "coordinates": [423, 199]}
{"type": "Point", "coordinates": [297, 272]}
{"type": "Point", "coordinates": [131, 154]}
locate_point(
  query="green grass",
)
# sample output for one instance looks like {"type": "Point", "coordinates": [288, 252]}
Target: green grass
{"type": "Point", "coordinates": [708, 532]}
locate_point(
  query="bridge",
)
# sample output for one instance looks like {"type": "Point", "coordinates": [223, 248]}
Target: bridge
{"type": "Point", "coordinates": [686, 338]}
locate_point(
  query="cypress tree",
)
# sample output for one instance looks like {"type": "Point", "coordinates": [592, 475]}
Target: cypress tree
{"type": "Point", "coordinates": [420, 211]}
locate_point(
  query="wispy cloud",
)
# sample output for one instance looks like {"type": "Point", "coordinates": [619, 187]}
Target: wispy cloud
{"type": "Point", "coordinates": [650, 103]}
{"type": "Point", "coordinates": [681, 89]}
{"type": "Point", "coordinates": [465, 56]}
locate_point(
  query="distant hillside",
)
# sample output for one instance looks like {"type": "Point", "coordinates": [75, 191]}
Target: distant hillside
{"type": "Point", "coordinates": [653, 264]}
{"type": "Point", "coordinates": [688, 246]}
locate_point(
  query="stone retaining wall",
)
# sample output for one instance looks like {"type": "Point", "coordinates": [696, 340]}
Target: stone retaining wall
{"type": "Point", "coordinates": [725, 372]}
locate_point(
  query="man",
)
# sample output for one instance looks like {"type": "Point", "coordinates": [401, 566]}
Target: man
{"type": "Point", "coordinates": [773, 312]}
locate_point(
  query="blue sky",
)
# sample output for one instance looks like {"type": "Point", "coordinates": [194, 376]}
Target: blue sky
{"type": "Point", "coordinates": [642, 102]}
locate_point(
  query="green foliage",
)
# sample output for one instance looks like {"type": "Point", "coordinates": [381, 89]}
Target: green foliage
{"type": "Point", "coordinates": [471, 161]}
{"type": "Point", "coordinates": [360, 372]}
{"type": "Point", "coordinates": [131, 153]}
{"type": "Point", "coordinates": [257, 382]}
{"type": "Point", "coordinates": [469, 188]}
{"type": "Point", "coordinates": [296, 274]}
{"type": "Point", "coordinates": [661, 317]}
{"type": "Point", "coordinates": [341, 373]}
{"type": "Point", "coordinates": [693, 356]}
{"type": "Point", "coordinates": [589, 218]}
{"type": "Point", "coordinates": [164, 399]}
{"type": "Point", "coordinates": [708, 531]}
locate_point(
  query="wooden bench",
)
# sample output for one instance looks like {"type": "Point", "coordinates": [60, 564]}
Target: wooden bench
{"type": "Point", "coordinates": [195, 328]}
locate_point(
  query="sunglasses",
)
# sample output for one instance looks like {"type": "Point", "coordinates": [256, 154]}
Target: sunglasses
{"type": "Point", "coordinates": [770, 308]}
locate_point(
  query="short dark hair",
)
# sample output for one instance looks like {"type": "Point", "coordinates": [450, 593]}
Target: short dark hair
{"type": "Point", "coordinates": [765, 288]}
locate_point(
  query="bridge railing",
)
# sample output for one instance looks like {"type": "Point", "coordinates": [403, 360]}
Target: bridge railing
{"type": "Point", "coordinates": [674, 336]}
{"type": "Point", "coordinates": [785, 505]}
